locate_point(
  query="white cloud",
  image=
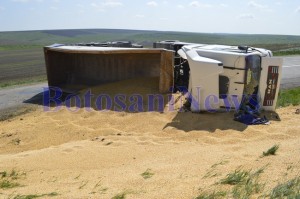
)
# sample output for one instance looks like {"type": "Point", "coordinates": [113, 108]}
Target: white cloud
{"type": "Point", "coordinates": [180, 6]}
{"type": "Point", "coordinates": [98, 7]}
{"type": "Point", "coordinates": [223, 5]}
{"type": "Point", "coordinates": [298, 10]}
{"type": "Point", "coordinates": [94, 5]}
{"type": "Point", "coordinates": [262, 7]}
{"type": "Point", "coordinates": [112, 4]}
{"type": "Point", "coordinates": [139, 16]}
{"type": "Point", "coordinates": [102, 6]}
{"type": "Point", "coordinates": [195, 3]}
{"type": "Point", "coordinates": [199, 5]}
{"type": "Point", "coordinates": [152, 3]}
{"type": "Point", "coordinates": [246, 16]}
{"type": "Point", "coordinates": [256, 5]}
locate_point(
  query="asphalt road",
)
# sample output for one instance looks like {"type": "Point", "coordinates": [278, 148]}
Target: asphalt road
{"type": "Point", "coordinates": [291, 72]}
{"type": "Point", "coordinates": [12, 97]}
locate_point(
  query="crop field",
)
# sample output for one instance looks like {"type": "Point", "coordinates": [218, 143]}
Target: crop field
{"type": "Point", "coordinates": [21, 66]}
{"type": "Point", "coordinates": [22, 60]}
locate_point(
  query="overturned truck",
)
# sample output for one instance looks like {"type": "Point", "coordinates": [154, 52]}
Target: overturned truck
{"type": "Point", "coordinates": [212, 77]}
{"type": "Point", "coordinates": [214, 73]}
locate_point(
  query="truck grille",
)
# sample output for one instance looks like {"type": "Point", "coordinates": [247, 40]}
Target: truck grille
{"type": "Point", "coordinates": [272, 82]}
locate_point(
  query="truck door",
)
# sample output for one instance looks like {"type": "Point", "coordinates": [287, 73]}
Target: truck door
{"type": "Point", "coordinates": [270, 82]}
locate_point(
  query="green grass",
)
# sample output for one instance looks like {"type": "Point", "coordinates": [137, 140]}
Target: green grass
{"type": "Point", "coordinates": [120, 196]}
{"type": "Point", "coordinates": [289, 189]}
{"type": "Point", "coordinates": [289, 97]}
{"type": "Point", "coordinates": [19, 47]}
{"type": "Point", "coordinates": [213, 195]}
{"type": "Point", "coordinates": [32, 196]}
{"type": "Point", "coordinates": [287, 52]}
{"type": "Point", "coordinates": [212, 171]}
{"type": "Point", "coordinates": [8, 179]}
{"type": "Point", "coordinates": [109, 143]}
{"type": "Point", "coordinates": [6, 184]}
{"type": "Point", "coordinates": [235, 177]}
{"type": "Point", "coordinates": [27, 81]}
{"type": "Point", "coordinates": [13, 174]}
{"type": "Point", "coordinates": [245, 183]}
{"type": "Point", "coordinates": [20, 65]}
{"type": "Point", "coordinates": [271, 151]}
{"type": "Point", "coordinates": [3, 174]}
{"type": "Point", "coordinates": [147, 174]}
{"type": "Point", "coordinates": [220, 164]}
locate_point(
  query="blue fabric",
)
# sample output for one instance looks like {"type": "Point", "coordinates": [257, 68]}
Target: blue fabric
{"type": "Point", "coordinates": [249, 112]}
{"type": "Point", "coordinates": [250, 119]}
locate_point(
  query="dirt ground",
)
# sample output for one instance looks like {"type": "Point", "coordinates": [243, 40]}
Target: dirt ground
{"type": "Point", "coordinates": [123, 154]}
{"type": "Point", "coordinates": [102, 154]}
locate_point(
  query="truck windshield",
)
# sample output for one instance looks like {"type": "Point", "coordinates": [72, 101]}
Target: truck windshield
{"type": "Point", "coordinates": [253, 66]}
{"type": "Point", "coordinates": [250, 101]}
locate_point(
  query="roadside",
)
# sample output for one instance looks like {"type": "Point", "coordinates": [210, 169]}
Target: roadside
{"type": "Point", "coordinates": [23, 82]}
{"type": "Point", "coordinates": [13, 100]}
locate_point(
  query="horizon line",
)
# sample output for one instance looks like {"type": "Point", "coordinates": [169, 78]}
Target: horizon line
{"type": "Point", "coordinates": [170, 31]}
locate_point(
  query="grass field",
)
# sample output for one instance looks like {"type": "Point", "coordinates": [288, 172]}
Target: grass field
{"type": "Point", "coordinates": [144, 37]}
{"type": "Point", "coordinates": [22, 61]}
{"type": "Point", "coordinates": [21, 66]}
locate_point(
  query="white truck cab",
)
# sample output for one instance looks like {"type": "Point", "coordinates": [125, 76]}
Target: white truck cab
{"type": "Point", "coordinates": [221, 75]}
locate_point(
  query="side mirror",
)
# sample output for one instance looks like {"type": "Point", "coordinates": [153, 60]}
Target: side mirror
{"type": "Point", "coordinates": [245, 48]}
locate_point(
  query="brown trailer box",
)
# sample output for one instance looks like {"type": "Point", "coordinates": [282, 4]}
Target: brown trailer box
{"type": "Point", "coordinates": [70, 67]}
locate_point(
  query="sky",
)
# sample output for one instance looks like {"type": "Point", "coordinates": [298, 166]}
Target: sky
{"type": "Point", "coordinates": [214, 16]}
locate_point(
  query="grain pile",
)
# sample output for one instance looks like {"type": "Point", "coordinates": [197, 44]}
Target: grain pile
{"type": "Point", "coordinates": [100, 154]}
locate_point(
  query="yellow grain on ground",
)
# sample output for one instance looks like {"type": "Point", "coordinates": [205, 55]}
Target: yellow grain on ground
{"type": "Point", "coordinates": [99, 154]}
